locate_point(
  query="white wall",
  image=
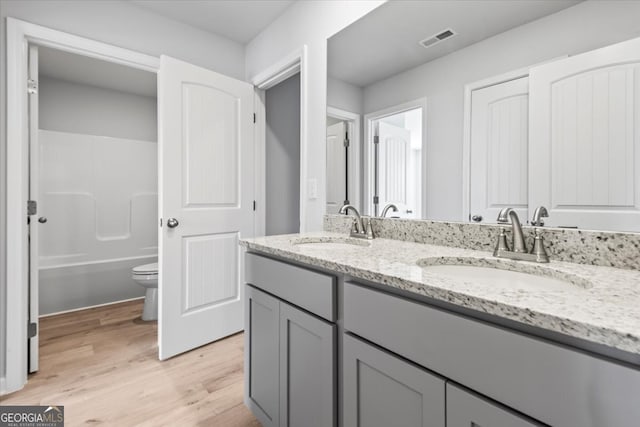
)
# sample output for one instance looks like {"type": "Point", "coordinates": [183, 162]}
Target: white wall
{"type": "Point", "coordinates": [119, 23]}
{"type": "Point", "coordinates": [69, 107]}
{"type": "Point", "coordinates": [581, 28]}
{"type": "Point", "coordinates": [308, 23]}
{"type": "Point", "coordinates": [282, 104]}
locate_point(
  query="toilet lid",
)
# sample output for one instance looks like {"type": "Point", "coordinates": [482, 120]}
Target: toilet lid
{"type": "Point", "coordinates": [146, 269]}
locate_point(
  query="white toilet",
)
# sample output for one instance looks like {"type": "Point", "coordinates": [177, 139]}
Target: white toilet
{"type": "Point", "coordinates": [147, 276]}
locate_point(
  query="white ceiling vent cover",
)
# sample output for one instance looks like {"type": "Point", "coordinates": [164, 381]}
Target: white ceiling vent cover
{"type": "Point", "coordinates": [437, 38]}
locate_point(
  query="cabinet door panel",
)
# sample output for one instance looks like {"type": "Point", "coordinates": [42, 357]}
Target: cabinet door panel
{"type": "Point", "coordinates": [307, 370]}
{"type": "Point", "coordinates": [382, 390]}
{"type": "Point", "coordinates": [262, 314]}
{"type": "Point", "coordinates": [465, 409]}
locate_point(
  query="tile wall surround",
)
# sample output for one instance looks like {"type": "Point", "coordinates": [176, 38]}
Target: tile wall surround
{"type": "Point", "coordinates": [605, 248]}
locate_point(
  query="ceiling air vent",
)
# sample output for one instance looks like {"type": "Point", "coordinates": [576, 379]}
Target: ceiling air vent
{"type": "Point", "coordinates": [437, 38]}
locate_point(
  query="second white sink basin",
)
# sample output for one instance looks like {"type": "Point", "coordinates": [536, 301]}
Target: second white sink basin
{"type": "Point", "coordinates": [500, 274]}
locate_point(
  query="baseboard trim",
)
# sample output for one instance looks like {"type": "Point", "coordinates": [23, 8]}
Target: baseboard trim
{"type": "Point", "coordinates": [89, 307]}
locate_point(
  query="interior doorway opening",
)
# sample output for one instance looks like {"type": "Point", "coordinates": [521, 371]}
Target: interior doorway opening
{"type": "Point", "coordinates": [93, 183]}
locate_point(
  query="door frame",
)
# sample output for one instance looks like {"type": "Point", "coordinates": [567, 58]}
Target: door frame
{"type": "Point", "coordinates": [466, 126]}
{"type": "Point", "coordinates": [367, 204]}
{"type": "Point", "coordinates": [291, 64]}
{"type": "Point", "coordinates": [19, 35]}
{"type": "Point", "coordinates": [355, 162]}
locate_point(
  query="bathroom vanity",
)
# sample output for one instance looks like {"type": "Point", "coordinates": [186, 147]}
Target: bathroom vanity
{"type": "Point", "coordinates": [350, 332]}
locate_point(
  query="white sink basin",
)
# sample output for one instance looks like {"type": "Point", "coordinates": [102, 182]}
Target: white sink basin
{"type": "Point", "coordinates": [330, 243]}
{"type": "Point", "coordinates": [499, 274]}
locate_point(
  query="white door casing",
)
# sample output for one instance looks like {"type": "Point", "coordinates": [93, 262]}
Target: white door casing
{"type": "Point", "coordinates": [584, 140]}
{"type": "Point", "coordinates": [499, 150]}
{"type": "Point", "coordinates": [34, 224]}
{"type": "Point", "coordinates": [336, 167]}
{"type": "Point", "coordinates": [207, 184]}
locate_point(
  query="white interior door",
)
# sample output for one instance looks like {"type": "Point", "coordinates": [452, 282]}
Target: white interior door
{"type": "Point", "coordinates": [206, 197]}
{"type": "Point", "coordinates": [499, 150]}
{"type": "Point", "coordinates": [584, 141]}
{"type": "Point", "coordinates": [34, 220]}
{"type": "Point", "coordinates": [394, 165]}
{"type": "Point", "coordinates": [336, 167]}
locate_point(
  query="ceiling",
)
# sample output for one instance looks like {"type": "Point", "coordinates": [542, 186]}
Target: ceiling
{"type": "Point", "coordinates": [95, 72]}
{"type": "Point", "coordinates": [385, 42]}
{"type": "Point", "coordinates": [238, 20]}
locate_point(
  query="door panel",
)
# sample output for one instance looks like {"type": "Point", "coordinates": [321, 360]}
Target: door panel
{"type": "Point", "coordinates": [206, 184]}
{"type": "Point", "coordinates": [382, 390]}
{"type": "Point", "coordinates": [262, 347]}
{"type": "Point", "coordinates": [470, 410]}
{"type": "Point", "coordinates": [34, 224]}
{"type": "Point", "coordinates": [307, 370]}
{"type": "Point", "coordinates": [394, 169]}
{"type": "Point", "coordinates": [336, 167]}
{"type": "Point", "coordinates": [585, 139]}
{"type": "Point", "coordinates": [499, 149]}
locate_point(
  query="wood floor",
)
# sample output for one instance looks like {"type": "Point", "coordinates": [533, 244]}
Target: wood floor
{"type": "Point", "coordinates": [102, 365]}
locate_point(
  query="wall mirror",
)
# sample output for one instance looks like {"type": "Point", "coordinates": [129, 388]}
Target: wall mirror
{"type": "Point", "coordinates": [453, 110]}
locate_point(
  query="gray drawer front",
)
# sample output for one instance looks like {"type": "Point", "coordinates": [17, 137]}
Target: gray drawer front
{"type": "Point", "coordinates": [465, 409]}
{"type": "Point", "coordinates": [551, 383]}
{"type": "Point", "coordinates": [310, 290]}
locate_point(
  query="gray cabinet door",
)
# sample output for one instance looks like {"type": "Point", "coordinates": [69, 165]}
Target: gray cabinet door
{"type": "Point", "coordinates": [307, 369]}
{"type": "Point", "coordinates": [262, 332]}
{"type": "Point", "coordinates": [466, 409]}
{"type": "Point", "coordinates": [382, 390]}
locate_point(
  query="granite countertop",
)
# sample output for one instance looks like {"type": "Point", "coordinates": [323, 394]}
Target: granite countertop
{"type": "Point", "coordinates": [599, 305]}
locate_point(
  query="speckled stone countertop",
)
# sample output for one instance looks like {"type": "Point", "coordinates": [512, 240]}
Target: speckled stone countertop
{"type": "Point", "coordinates": [598, 304]}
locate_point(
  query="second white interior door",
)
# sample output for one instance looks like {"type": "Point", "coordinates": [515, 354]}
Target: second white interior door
{"type": "Point", "coordinates": [207, 192]}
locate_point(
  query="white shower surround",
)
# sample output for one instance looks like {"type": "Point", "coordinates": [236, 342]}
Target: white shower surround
{"type": "Point", "coordinates": [99, 195]}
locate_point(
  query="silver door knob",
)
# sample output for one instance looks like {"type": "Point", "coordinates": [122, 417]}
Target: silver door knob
{"type": "Point", "coordinates": [172, 223]}
{"type": "Point", "coordinates": [476, 218]}
{"type": "Point", "coordinates": [42, 219]}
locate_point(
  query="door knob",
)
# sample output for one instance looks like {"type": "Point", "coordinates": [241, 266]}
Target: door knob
{"type": "Point", "coordinates": [42, 219]}
{"type": "Point", "coordinates": [477, 218]}
{"type": "Point", "coordinates": [172, 223]}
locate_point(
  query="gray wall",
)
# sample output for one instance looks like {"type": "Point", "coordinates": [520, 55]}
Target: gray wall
{"type": "Point", "coordinates": [283, 157]}
{"type": "Point", "coordinates": [119, 23]}
{"type": "Point", "coordinates": [578, 29]}
{"type": "Point", "coordinates": [344, 96]}
{"type": "Point", "coordinates": [74, 108]}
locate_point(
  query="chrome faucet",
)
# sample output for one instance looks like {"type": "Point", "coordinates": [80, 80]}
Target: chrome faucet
{"type": "Point", "coordinates": [391, 206]}
{"type": "Point", "coordinates": [518, 249]}
{"type": "Point", "coordinates": [358, 229]}
{"type": "Point", "coordinates": [506, 215]}
{"type": "Point", "coordinates": [538, 214]}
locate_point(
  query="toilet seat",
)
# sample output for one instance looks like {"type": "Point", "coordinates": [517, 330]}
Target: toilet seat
{"type": "Point", "coordinates": [146, 269]}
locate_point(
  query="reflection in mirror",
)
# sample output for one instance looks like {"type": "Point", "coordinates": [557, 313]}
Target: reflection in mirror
{"type": "Point", "coordinates": [490, 138]}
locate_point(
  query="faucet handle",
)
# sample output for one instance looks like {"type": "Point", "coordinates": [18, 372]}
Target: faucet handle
{"type": "Point", "coordinates": [369, 229]}
{"type": "Point", "coordinates": [538, 248]}
{"type": "Point", "coordinates": [502, 245]}
{"type": "Point", "coordinates": [540, 212]}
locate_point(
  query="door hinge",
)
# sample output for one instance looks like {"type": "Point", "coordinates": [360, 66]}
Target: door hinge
{"type": "Point", "coordinates": [32, 207]}
{"type": "Point", "coordinates": [160, 222]}
{"type": "Point", "coordinates": [32, 87]}
{"type": "Point", "coordinates": [32, 330]}
{"type": "Point", "coordinates": [254, 205]}
{"type": "Point", "coordinates": [254, 117]}
{"type": "Point", "coordinates": [376, 139]}
{"type": "Point", "coordinates": [346, 142]}
{"type": "Point", "coordinates": [376, 200]}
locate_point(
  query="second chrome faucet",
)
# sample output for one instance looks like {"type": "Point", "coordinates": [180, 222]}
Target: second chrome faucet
{"type": "Point", "coordinates": [518, 248]}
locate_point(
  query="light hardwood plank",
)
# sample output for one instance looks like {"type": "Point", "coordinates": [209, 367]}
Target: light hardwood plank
{"type": "Point", "coordinates": [102, 365]}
